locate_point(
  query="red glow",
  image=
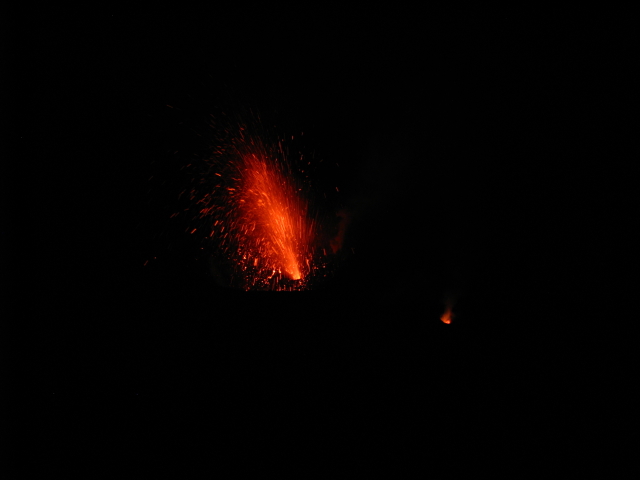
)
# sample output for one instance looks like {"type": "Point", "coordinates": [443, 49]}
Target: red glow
{"type": "Point", "coordinates": [256, 215]}
{"type": "Point", "coordinates": [447, 316]}
{"type": "Point", "coordinates": [450, 299]}
{"type": "Point", "coordinates": [271, 218]}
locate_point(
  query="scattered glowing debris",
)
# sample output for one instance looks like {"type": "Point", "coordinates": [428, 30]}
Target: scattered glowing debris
{"type": "Point", "coordinates": [257, 214]}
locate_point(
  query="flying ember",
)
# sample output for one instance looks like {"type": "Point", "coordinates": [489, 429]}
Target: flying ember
{"type": "Point", "coordinates": [258, 216]}
{"type": "Point", "coordinates": [271, 218]}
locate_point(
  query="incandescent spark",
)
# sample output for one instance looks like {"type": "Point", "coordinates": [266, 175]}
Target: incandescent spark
{"type": "Point", "coordinates": [258, 216]}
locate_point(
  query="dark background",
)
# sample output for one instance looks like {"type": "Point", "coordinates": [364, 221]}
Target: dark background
{"type": "Point", "coordinates": [487, 153]}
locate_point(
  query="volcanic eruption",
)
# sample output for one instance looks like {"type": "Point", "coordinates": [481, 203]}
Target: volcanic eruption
{"type": "Point", "coordinates": [257, 214]}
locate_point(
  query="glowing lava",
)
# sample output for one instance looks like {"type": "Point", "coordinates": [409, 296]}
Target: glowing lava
{"type": "Point", "coordinates": [271, 218]}
{"type": "Point", "coordinates": [256, 215]}
{"type": "Point", "coordinates": [447, 316]}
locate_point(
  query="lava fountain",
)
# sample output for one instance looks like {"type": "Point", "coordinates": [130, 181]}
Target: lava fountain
{"type": "Point", "coordinates": [257, 215]}
{"type": "Point", "coordinates": [271, 218]}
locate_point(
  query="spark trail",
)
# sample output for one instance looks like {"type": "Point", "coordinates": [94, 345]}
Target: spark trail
{"type": "Point", "coordinates": [257, 215]}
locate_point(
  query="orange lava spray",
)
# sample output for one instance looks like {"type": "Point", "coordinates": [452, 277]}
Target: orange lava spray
{"type": "Point", "coordinates": [271, 218]}
{"type": "Point", "coordinates": [257, 215]}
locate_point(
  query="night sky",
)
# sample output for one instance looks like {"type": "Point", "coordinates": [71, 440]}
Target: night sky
{"type": "Point", "coordinates": [486, 154]}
